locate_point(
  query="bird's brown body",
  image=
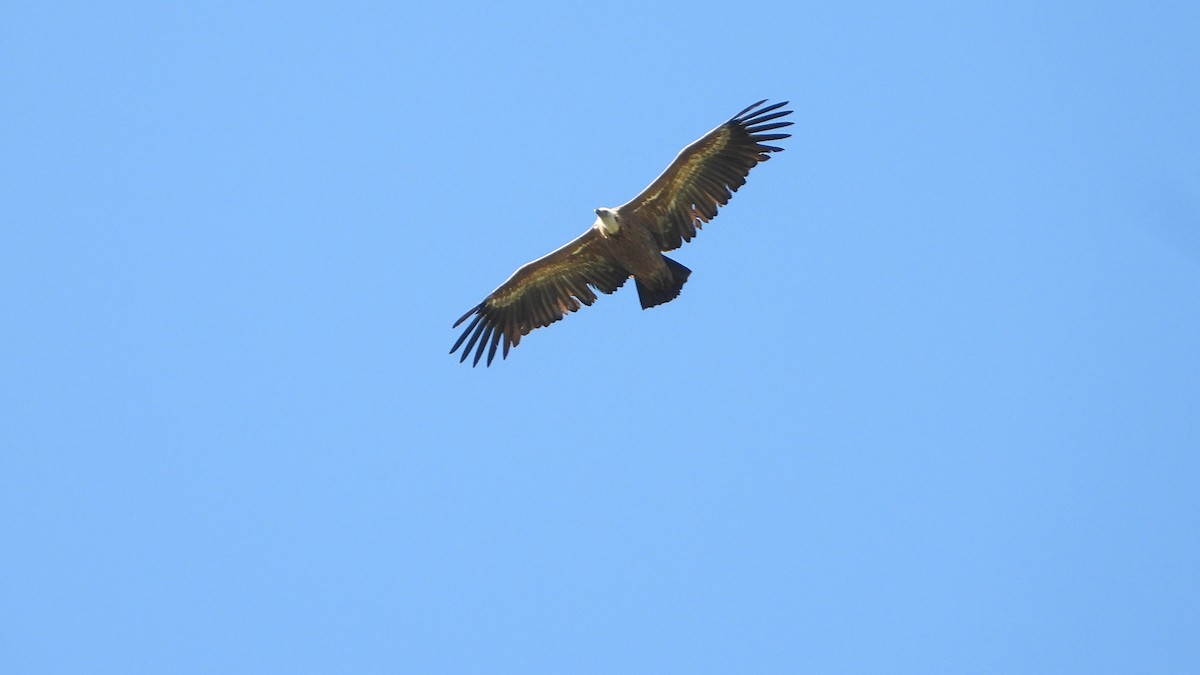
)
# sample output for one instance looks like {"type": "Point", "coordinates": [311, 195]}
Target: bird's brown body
{"type": "Point", "coordinates": [628, 241]}
{"type": "Point", "coordinates": [658, 278]}
{"type": "Point", "coordinates": [634, 248]}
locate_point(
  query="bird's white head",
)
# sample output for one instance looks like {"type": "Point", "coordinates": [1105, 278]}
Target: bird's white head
{"type": "Point", "coordinates": [607, 221]}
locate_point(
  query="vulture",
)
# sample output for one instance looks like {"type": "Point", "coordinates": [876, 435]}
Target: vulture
{"type": "Point", "coordinates": [629, 240]}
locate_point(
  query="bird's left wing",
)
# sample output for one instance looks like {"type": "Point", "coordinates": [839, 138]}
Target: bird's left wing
{"type": "Point", "coordinates": [705, 175]}
{"type": "Point", "coordinates": [540, 293]}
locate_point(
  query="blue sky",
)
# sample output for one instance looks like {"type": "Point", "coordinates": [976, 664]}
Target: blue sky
{"type": "Point", "coordinates": [928, 402]}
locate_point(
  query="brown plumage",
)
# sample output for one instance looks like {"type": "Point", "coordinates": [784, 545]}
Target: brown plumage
{"type": "Point", "coordinates": [629, 240]}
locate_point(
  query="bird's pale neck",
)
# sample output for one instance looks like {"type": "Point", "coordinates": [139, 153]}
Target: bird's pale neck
{"type": "Point", "coordinates": [607, 222]}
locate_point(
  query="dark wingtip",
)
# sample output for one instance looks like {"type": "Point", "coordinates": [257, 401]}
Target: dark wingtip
{"type": "Point", "coordinates": [492, 349]}
{"type": "Point", "coordinates": [471, 311]}
{"type": "Point", "coordinates": [748, 108]}
{"type": "Point", "coordinates": [475, 329]}
{"type": "Point", "coordinates": [750, 112]}
{"type": "Point", "coordinates": [466, 331]}
{"type": "Point", "coordinates": [484, 336]}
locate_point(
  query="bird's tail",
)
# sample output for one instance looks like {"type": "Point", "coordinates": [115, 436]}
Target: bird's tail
{"type": "Point", "coordinates": [652, 294]}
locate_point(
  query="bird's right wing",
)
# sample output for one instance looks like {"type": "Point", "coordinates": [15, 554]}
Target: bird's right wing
{"type": "Point", "coordinates": [540, 293]}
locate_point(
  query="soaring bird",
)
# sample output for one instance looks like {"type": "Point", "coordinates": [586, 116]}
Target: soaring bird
{"type": "Point", "coordinates": [629, 240]}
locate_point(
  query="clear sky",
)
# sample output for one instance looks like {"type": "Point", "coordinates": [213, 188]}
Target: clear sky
{"type": "Point", "coordinates": [929, 403]}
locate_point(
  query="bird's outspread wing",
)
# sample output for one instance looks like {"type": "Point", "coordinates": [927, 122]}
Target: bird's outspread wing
{"type": "Point", "coordinates": [705, 175]}
{"type": "Point", "coordinates": [540, 293]}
